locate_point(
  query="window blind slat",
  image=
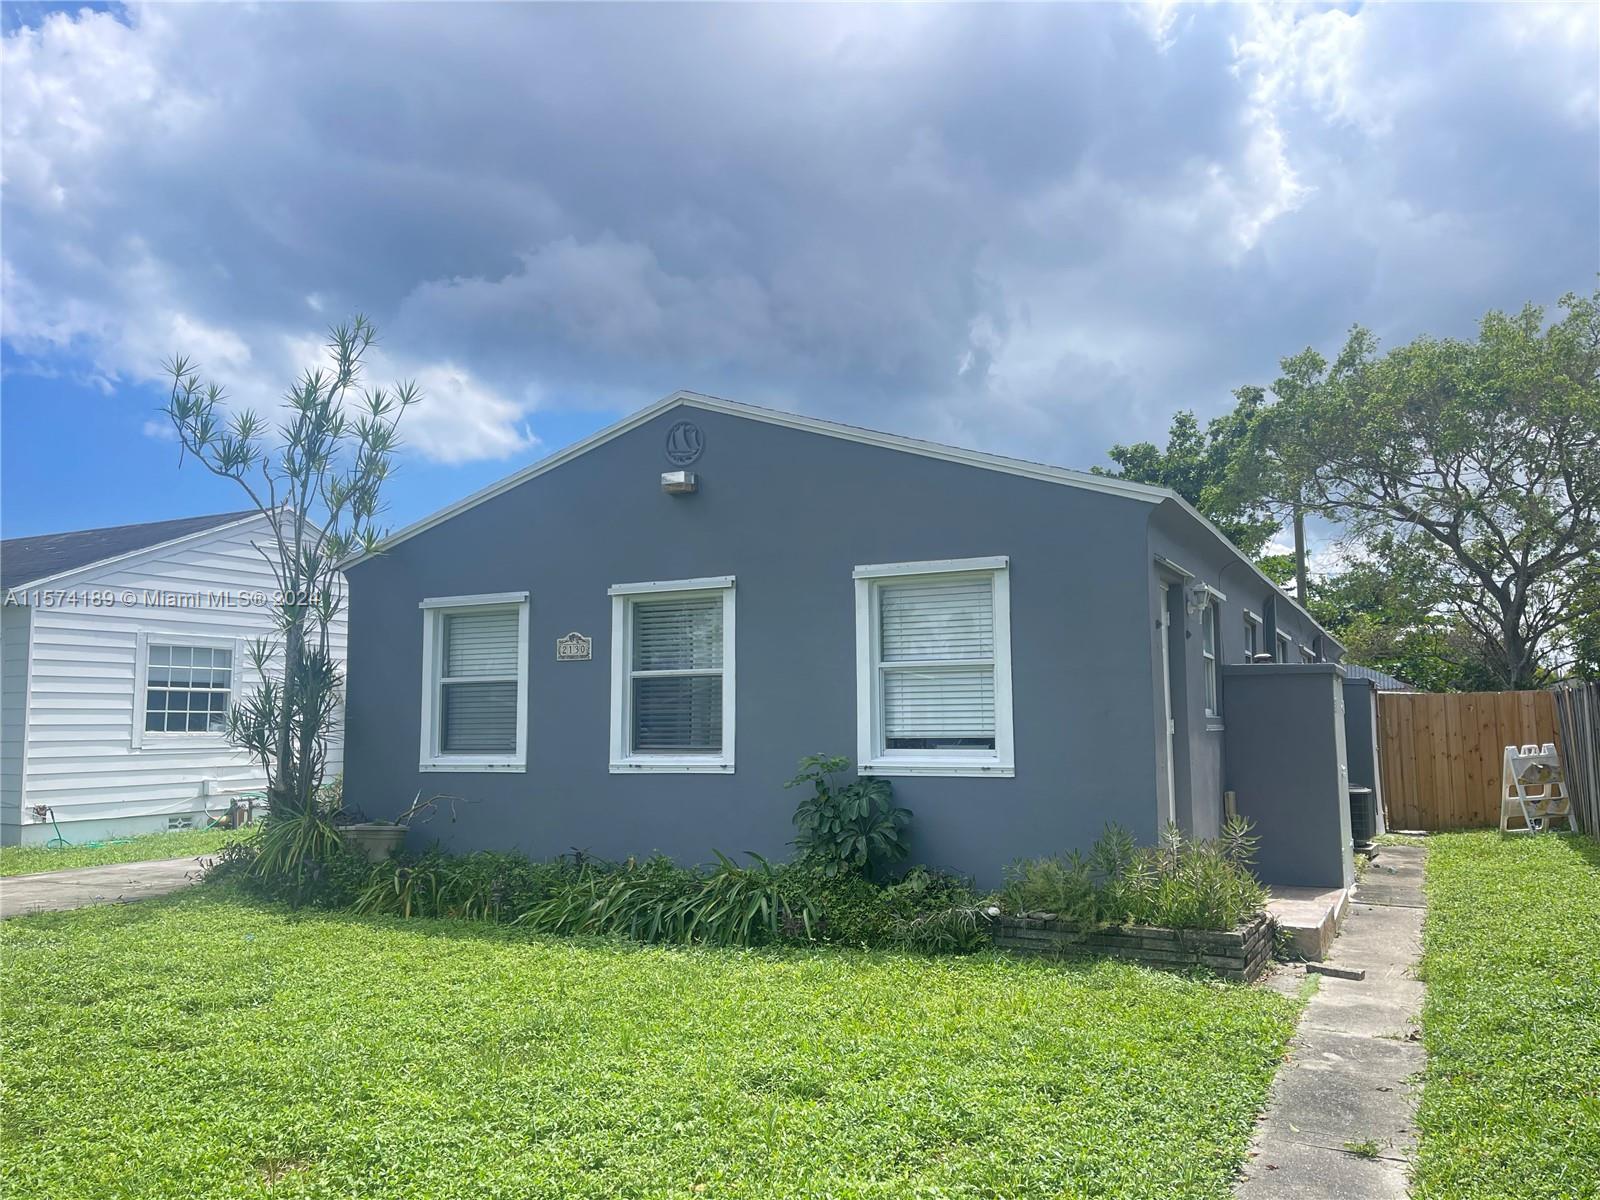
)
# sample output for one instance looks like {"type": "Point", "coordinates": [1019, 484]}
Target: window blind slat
{"type": "Point", "coordinates": [479, 718]}
{"type": "Point", "coordinates": [948, 619]}
{"type": "Point", "coordinates": [677, 713]}
{"type": "Point", "coordinates": [925, 703]}
{"type": "Point", "coordinates": [678, 635]}
{"type": "Point", "coordinates": [481, 643]}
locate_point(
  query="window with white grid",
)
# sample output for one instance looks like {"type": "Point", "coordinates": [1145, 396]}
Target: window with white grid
{"type": "Point", "coordinates": [188, 689]}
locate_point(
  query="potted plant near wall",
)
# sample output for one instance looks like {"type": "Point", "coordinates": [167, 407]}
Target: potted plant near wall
{"type": "Point", "coordinates": [378, 841]}
{"type": "Point", "coordinates": [375, 841]}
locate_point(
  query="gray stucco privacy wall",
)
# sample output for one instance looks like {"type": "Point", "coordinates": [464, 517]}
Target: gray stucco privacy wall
{"type": "Point", "coordinates": [789, 513]}
{"type": "Point", "coordinates": [1287, 766]}
{"type": "Point", "coordinates": [1200, 741]}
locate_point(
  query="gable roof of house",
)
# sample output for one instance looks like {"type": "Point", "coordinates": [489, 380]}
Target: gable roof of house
{"type": "Point", "coordinates": [26, 560]}
{"type": "Point", "coordinates": [1108, 484]}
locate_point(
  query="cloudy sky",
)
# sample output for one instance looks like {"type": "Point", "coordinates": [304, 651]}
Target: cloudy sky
{"type": "Point", "coordinates": [1034, 230]}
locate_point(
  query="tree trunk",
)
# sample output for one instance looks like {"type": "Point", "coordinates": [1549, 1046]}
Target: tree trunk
{"type": "Point", "coordinates": [283, 792]}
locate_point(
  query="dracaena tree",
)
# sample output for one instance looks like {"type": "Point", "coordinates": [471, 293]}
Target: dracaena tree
{"type": "Point", "coordinates": [317, 475]}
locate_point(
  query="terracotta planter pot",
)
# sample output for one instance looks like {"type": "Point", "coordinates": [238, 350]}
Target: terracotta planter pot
{"type": "Point", "coordinates": [376, 841]}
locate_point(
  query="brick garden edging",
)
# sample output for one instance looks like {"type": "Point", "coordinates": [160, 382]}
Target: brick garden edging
{"type": "Point", "coordinates": [1239, 955]}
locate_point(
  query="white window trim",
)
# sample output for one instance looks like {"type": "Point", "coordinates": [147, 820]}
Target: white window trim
{"type": "Point", "coordinates": [147, 739]}
{"type": "Point", "coordinates": [1259, 629]}
{"type": "Point", "coordinates": [433, 610]}
{"type": "Point", "coordinates": [871, 757]}
{"type": "Point", "coordinates": [1282, 647]}
{"type": "Point", "coordinates": [623, 760]}
{"type": "Point", "coordinates": [1209, 658]}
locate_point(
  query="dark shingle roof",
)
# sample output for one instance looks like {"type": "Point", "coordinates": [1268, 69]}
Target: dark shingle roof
{"type": "Point", "coordinates": [1385, 681]}
{"type": "Point", "coordinates": [26, 559]}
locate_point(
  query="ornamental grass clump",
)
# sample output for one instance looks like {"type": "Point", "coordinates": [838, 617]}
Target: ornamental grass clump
{"type": "Point", "coordinates": [1177, 884]}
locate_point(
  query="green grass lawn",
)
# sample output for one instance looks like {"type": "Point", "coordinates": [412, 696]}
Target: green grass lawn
{"type": "Point", "coordinates": [1511, 1107]}
{"type": "Point", "coordinates": [32, 860]}
{"type": "Point", "coordinates": [202, 1046]}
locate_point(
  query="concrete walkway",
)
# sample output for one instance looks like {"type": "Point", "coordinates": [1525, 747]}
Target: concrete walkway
{"type": "Point", "coordinates": [57, 890]}
{"type": "Point", "coordinates": [1355, 1062]}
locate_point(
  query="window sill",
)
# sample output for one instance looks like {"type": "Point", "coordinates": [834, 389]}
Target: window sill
{"type": "Point", "coordinates": [933, 767]}
{"type": "Point", "coordinates": [1214, 726]}
{"type": "Point", "coordinates": [184, 741]}
{"type": "Point", "coordinates": [453, 765]}
{"type": "Point", "coordinates": [672, 766]}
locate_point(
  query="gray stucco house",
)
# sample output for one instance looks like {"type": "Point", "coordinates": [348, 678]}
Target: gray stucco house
{"type": "Point", "coordinates": [627, 647]}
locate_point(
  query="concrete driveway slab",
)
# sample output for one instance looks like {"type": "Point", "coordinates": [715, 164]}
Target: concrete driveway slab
{"type": "Point", "coordinates": [55, 891]}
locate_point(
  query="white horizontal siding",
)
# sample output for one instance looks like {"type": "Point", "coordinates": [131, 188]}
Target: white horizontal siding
{"type": "Point", "coordinates": [13, 709]}
{"type": "Point", "coordinates": [81, 757]}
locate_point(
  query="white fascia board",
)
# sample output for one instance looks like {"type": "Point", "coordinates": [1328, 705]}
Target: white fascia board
{"type": "Point", "coordinates": [62, 578]}
{"type": "Point", "coordinates": [1012, 466]}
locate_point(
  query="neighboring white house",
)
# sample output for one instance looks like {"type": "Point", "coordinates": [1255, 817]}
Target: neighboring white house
{"type": "Point", "coordinates": [121, 651]}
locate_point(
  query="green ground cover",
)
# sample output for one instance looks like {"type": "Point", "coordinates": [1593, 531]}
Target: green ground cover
{"type": "Point", "coordinates": [32, 860]}
{"type": "Point", "coordinates": [1511, 1105]}
{"type": "Point", "coordinates": [206, 1046]}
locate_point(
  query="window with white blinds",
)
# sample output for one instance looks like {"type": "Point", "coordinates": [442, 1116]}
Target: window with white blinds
{"type": "Point", "coordinates": [933, 646]}
{"type": "Point", "coordinates": [475, 696]}
{"type": "Point", "coordinates": [478, 687]}
{"type": "Point", "coordinates": [672, 676]}
{"type": "Point", "coordinates": [936, 654]}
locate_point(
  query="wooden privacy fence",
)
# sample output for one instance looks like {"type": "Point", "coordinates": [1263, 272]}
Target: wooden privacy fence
{"type": "Point", "coordinates": [1439, 754]}
{"type": "Point", "coordinates": [1578, 713]}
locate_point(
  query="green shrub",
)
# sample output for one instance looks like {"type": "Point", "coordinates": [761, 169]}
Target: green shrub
{"type": "Point", "coordinates": [1062, 885]}
{"type": "Point", "coordinates": [484, 886]}
{"type": "Point", "coordinates": [925, 910]}
{"type": "Point", "coordinates": [658, 901]}
{"type": "Point", "coordinates": [847, 827]}
{"type": "Point", "coordinates": [333, 881]}
{"type": "Point", "coordinates": [960, 929]}
{"type": "Point", "coordinates": [289, 846]}
{"type": "Point", "coordinates": [1179, 884]}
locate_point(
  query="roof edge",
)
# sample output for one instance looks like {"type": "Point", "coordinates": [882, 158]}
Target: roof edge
{"type": "Point", "coordinates": [1108, 484]}
{"type": "Point", "coordinates": [61, 577]}
{"type": "Point", "coordinates": [1241, 556]}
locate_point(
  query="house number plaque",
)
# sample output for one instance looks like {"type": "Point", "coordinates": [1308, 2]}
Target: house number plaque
{"type": "Point", "coordinates": [574, 648]}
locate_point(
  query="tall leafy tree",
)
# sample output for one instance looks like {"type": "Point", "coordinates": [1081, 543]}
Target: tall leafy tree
{"type": "Point", "coordinates": [1203, 467]}
{"type": "Point", "coordinates": [316, 475]}
{"type": "Point", "coordinates": [1384, 607]}
{"type": "Point", "coordinates": [1481, 458]}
